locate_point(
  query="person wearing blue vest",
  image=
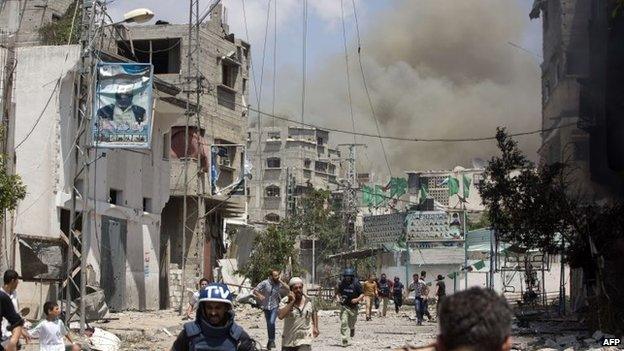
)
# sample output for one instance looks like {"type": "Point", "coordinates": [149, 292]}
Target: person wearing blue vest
{"type": "Point", "coordinates": [214, 328]}
{"type": "Point", "coordinates": [349, 293]}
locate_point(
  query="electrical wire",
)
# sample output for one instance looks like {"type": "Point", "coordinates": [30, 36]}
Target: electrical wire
{"type": "Point", "coordinates": [370, 102]}
{"type": "Point", "coordinates": [45, 107]}
{"type": "Point", "coordinates": [398, 138]}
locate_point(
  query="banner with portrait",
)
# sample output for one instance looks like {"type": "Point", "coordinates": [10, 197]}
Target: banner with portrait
{"type": "Point", "coordinates": [122, 105]}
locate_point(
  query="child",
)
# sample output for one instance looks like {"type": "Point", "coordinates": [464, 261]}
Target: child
{"type": "Point", "coordinates": [51, 330]}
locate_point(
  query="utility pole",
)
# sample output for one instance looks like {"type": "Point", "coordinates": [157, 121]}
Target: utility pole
{"type": "Point", "coordinates": [350, 198]}
{"type": "Point", "coordinates": [79, 228]}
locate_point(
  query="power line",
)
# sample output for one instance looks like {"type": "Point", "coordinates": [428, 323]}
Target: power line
{"type": "Point", "coordinates": [397, 138]}
{"type": "Point", "coordinates": [370, 102]}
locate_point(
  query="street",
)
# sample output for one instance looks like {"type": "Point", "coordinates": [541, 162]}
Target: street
{"type": "Point", "coordinates": [157, 331]}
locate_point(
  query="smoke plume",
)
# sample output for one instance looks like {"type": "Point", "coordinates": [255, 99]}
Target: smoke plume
{"type": "Point", "coordinates": [435, 69]}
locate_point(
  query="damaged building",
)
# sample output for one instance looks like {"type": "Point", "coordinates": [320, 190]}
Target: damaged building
{"type": "Point", "coordinates": [134, 196]}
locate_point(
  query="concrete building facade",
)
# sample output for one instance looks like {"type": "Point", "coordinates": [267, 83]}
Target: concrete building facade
{"type": "Point", "coordinates": [127, 193]}
{"type": "Point", "coordinates": [223, 68]}
{"type": "Point", "coordinates": [286, 161]}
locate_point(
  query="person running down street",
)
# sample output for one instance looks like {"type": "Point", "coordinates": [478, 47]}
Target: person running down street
{"type": "Point", "coordinates": [349, 293]}
{"type": "Point", "coordinates": [268, 293]}
{"type": "Point", "coordinates": [370, 293]}
{"type": "Point", "coordinates": [397, 294]}
{"type": "Point", "coordinates": [385, 289]}
{"type": "Point", "coordinates": [300, 318]}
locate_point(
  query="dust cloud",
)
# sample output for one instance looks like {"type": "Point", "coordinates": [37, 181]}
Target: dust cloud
{"type": "Point", "coordinates": [435, 69]}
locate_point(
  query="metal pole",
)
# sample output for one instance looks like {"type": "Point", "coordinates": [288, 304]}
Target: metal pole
{"type": "Point", "coordinates": [562, 306]}
{"type": "Point", "coordinates": [313, 260]}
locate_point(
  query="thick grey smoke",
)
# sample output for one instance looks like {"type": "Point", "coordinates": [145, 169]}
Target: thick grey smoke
{"type": "Point", "coordinates": [435, 68]}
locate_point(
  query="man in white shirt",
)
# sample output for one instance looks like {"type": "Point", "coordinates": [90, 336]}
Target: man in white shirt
{"type": "Point", "coordinates": [193, 301]}
{"type": "Point", "coordinates": [300, 318]}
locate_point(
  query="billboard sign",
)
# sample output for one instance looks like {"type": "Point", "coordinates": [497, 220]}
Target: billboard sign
{"type": "Point", "coordinates": [122, 105]}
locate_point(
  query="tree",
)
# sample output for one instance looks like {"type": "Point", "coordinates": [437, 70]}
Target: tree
{"type": "Point", "coordinates": [58, 31]}
{"type": "Point", "coordinates": [316, 217]}
{"type": "Point", "coordinates": [12, 190]}
{"type": "Point", "coordinates": [272, 250]}
{"type": "Point", "coordinates": [525, 204]}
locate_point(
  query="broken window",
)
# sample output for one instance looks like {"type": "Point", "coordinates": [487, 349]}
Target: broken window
{"type": "Point", "coordinates": [114, 196]}
{"type": "Point", "coordinates": [229, 73]}
{"type": "Point", "coordinates": [166, 146]}
{"type": "Point", "coordinates": [164, 54]}
{"type": "Point", "coordinates": [274, 135]}
{"type": "Point", "coordinates": [147, 204]}
{"type": "Point", "coordinates": [320, 166]}
{"type": "Point", "coordinates": [272, 191]}
{"type": "Point", "coordinates": [272, 217]}
{"type": "Point", "coordinates": [273, 162]}
{"type": "Point", "coordinates": [307, 163]}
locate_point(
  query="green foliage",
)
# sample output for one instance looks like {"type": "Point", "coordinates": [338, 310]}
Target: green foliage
{"type": "Point", "coordinates": [482, 222]}
{"type": "Point", "coordinates": [315, 218]}
{"type": "Point", "coordinates": [12, 190]}
{"type": "Point", "coordinates": [57, 32]}
{"type": "Point", "coordinates": [525, 204]}
{"type": "Point", "coordinates": [272, 250]}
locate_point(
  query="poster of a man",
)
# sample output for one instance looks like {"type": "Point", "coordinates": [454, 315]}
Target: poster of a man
{"type": "Point", "coordinates": [123, 105]}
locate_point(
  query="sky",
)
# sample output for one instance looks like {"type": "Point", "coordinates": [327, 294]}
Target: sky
{"type": "Point", "coordinates": [434, 68]}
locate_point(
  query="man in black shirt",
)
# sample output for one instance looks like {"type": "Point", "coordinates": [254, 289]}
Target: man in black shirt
{"type": "Point", "coordinates": [350, 294]}
{"type": "Point", "coordinates": [7, 310]}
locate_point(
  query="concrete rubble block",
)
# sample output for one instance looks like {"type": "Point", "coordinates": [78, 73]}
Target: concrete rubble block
{"type": "Point", "coordinates": [95, 303]}
{"type": "Point", "coordinates": [566, 340]}
{"type": "Point", "coordinates": [550, 343]}
{"type": "Point", "coordinates": [598, 335]}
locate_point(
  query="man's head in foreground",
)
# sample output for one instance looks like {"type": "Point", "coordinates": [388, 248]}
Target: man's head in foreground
{"type": "Point", "coordinates": [475, 320]}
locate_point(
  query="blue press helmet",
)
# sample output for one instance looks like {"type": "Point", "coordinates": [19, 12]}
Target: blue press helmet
{"type": "Point", "coordinates": [216, 292]}
{"type": "Point", "coordinates": [348, 272]}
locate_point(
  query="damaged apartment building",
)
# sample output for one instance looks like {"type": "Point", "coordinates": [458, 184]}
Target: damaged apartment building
{"type": "Point", "coordinates": [288, 160]}
{"type": "Point", "coordinates": [135, 197]}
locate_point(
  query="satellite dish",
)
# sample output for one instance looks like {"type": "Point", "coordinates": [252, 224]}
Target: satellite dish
{"type": "Point", "coordinates": [478, 163]}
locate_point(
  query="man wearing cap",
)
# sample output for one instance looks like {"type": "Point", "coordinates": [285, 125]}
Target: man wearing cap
{"type": "Point", "coordinates": [214, 327]}
{"type": "Point", "coordinates": [300, 318]}
{"type": "Point", "coordinates": [123, 111]}
{"type": "Point", "coordinates": [349, 293]}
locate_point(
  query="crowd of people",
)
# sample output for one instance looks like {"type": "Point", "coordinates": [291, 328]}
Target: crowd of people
{"type": "Point", "coordinates": [469, 320]}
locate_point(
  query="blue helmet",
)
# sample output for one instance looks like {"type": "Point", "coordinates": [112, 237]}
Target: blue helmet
{"type": "Point", "coordinates": [216, 292]}
{"type": "Point", "coordinates": [348, 272]}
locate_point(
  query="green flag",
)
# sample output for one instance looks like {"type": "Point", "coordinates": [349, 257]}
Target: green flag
{"type": "Point", "coordinates": [424, 191]}
{"type": "Point", "coordinates": [367, 195]}
{"type": "Point", "coordinates": [479, 265]}
{"type": "Point", "coordinates": [453, 186]}
{"type": "Point", "coordinates": [397, 187]}
{"type": "Point", "coordinates": [466, 186]}
{"type": "Point", "coordinates": [378, 195]}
